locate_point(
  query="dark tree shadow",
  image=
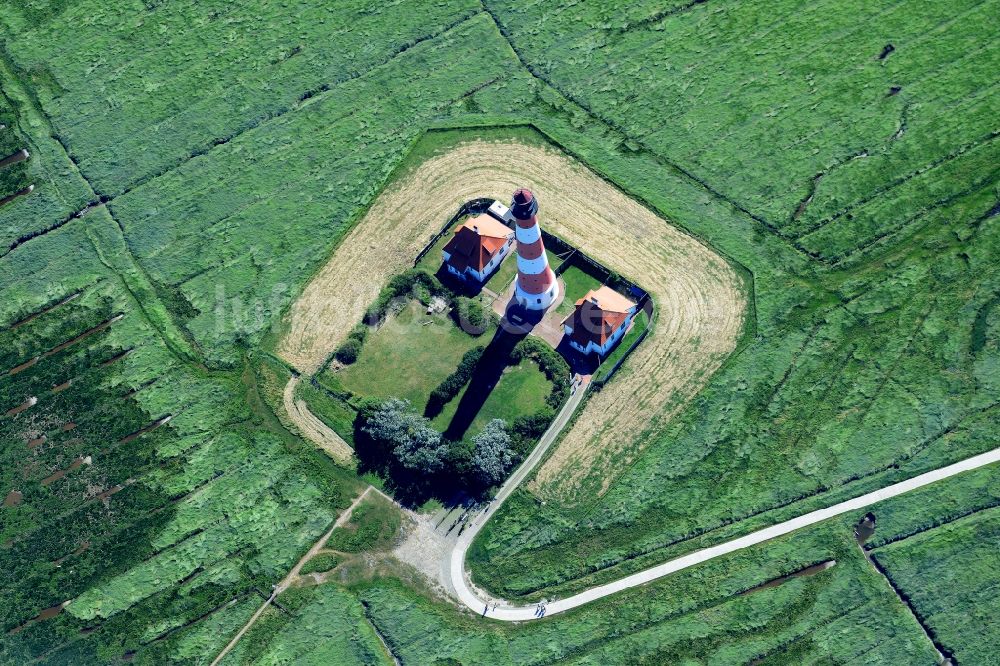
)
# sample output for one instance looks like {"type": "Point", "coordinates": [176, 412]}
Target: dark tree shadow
{"type": "Point", "coordinates": [584, 364]}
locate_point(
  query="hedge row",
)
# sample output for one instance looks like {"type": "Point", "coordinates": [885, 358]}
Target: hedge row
{"type": "Point", "coordinates": [416, 283]}
{"type": "Point", "coordinates": [453, 383]}
{"type": "Point", "coordinates": [470, 315]}
{"type": "Point", "coordinates": [550, 362]}
{"type": "Point", "coordinates": [348, 352]}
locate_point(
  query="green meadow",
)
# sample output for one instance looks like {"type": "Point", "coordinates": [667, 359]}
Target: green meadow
{"type": "Point", "coordinates": [194, 164]}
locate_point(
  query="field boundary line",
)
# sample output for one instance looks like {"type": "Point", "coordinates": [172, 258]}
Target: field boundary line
{"type": "Point", "coordinates": [944, 654]}
{"type": "Point", "coordinates": [304, 98]}
{"type": "Point", "coordinates": [614, 126]}
{"type": "Point", "coordinates": [905, 536]}
{"type": "Point", "coordinates": [292, 574]}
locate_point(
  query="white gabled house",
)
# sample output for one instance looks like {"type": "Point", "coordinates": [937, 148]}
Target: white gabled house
{"type": "Point", "coordinates": [599, 321]}
{"type": "Point", "coordinates": [477, 247]}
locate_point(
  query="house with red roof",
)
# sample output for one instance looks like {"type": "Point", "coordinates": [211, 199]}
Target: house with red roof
{"type": "Point", "coordinates": [477, 247]}
{"type": "Point", "coordinates": [599, 321]}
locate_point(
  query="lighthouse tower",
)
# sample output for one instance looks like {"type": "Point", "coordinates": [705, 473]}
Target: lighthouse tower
{"type": "Point", "coordinates": [536, 283]}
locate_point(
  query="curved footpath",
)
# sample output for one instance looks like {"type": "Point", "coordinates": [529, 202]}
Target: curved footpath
{"type": "Point", "coordinates": [458, 580]}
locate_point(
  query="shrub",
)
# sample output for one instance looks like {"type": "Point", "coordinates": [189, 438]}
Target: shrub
{"type": "Point", "coordinates": [534, 425]}
{"type": "Point", "coordinates": [414, 282]}
{"type": "Point", "coordinates": [550, 362]}
{"type": "Point", "coordinates": [319, 563]}
{"type": "Point", "coordinates": [373, 526]}
{"type": "Point", "coordinates": [470, 315]}
{"type": "Point", "coordinates": [349, 351]}
{"type": "Point", "coordinates": [527, 429]}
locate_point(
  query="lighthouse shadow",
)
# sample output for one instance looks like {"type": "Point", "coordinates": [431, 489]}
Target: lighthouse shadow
{"type": "Point", "coordinates": [514, 327]}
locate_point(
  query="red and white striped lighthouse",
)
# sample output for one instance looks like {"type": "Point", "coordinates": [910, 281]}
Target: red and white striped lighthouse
{"type": "Point", "coordinates": [536, 283]}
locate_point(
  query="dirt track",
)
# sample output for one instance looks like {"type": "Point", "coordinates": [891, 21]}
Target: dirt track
{"type": "Point", "coordinates": [700, 303]}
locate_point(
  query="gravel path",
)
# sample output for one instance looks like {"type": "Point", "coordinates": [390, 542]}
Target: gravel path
{"type": "Point", "coordinates": [293, 574]}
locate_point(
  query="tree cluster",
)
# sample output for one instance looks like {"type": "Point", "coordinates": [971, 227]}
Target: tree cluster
{"type": "Point", "coordinates": [398, 441]}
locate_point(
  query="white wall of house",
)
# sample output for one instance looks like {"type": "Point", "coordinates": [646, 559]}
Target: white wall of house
{"type": "Point", "coordinates": [603, 350]}
{"type": "Point", "coordinates": [481, 276]}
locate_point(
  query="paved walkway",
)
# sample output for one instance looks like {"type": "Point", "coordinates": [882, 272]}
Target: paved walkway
{"type": "Point", "coordinates": [455, 577]}
{"type": "Point", "coordinates": [477, 602]}
{"type": "Point", "coordinates": [550, 327]}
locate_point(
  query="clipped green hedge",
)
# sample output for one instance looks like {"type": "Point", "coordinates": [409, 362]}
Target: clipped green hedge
{"type": "Point", "coordinates": [471, 316]}
{"type": "Point", "coordinates": [550, 362]}
{"type": "Point", "coordinates": [349, 351]}
{"type": "Point", "coordinates": [454, 382]}
{"type": "Point", "coordinates": [414, 282]}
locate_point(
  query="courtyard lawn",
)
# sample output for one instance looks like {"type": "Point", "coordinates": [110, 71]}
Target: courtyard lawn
{"type": "Point", "coordinates": [503, 275]}
{"type": "Point", "coordinates": [409, 355]}
{"type": "Point", "coordinates": [432, 261]}
{"type": "Point", "coordinates": [521, 391]}
{"type": "Point", "coordinates": [577, 283]}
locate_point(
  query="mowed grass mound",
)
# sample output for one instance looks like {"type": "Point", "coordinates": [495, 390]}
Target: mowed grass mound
{"type": "Point", "coordinates": [697, 290]}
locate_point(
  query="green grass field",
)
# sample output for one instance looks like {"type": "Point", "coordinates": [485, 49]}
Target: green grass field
{"type": "Point", "coordinates": [228, 148]}
{"type": "Point", "coordinates": [409, 355]}
{"type": "Point", "coordinates": [521, 391]}
{"type": "Point", "coordinates": [374, 525]}
{"type": "Point", "coordinates": [320, 625]}
{"type": "Point", "coordinates": [639, 324]}
{"type": "Point", "coordinates": [431, 261]}
{"type": "Point", "coordinates": [949, 575]}
{"type": "Point", "coordinates": [577, 284]}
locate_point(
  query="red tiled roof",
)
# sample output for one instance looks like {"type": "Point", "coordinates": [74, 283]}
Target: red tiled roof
{"type": "Point", "coordinates": [597, 316]}
{"type": "Point", "coordinates": [476, 241]}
